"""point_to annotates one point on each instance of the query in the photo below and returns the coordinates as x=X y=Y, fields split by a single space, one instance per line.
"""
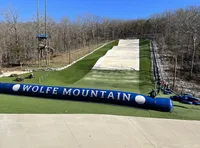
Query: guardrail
x=154 y=64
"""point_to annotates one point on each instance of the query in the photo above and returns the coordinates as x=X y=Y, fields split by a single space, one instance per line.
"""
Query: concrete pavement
x=95 y=131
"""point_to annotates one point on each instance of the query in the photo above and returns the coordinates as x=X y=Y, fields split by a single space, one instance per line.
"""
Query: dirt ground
x=57 y=60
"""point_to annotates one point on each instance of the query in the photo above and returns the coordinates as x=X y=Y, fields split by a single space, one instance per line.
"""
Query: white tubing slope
x=125 y=56
x=129 y=43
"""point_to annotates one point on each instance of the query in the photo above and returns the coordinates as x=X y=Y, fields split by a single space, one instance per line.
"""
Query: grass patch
x=79 y=69
x=75 y=76
x=114 y=80
x=133 y=81
x=69 y=75
x=145 y=73
x=12 y=104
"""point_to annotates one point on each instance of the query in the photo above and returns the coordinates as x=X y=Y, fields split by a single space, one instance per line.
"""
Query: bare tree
x=11 y=19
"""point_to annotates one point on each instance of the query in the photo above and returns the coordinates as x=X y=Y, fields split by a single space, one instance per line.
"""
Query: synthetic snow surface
x=125 y=56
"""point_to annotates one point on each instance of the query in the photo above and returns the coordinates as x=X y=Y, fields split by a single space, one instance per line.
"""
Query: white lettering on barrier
x=55 y=90
x=41 y=90
x=48 y=90
x=111 y=96
x=85 y=95
x=35 y=89
x=94 y=93
x=67 y=92
x=102 y=93
x=26 y=87
x=78 y=92
x=118 y=96
x=125 y=97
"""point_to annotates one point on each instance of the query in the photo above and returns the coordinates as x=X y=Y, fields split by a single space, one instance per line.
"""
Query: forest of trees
x=176 y=32
x=18 y=42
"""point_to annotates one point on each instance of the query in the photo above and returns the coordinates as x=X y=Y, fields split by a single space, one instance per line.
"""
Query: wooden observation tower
x=44 y=50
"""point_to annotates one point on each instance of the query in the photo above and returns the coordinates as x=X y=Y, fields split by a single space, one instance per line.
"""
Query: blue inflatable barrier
x=86 y=94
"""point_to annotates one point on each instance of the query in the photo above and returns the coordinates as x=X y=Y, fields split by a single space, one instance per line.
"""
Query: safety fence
x=155 y=68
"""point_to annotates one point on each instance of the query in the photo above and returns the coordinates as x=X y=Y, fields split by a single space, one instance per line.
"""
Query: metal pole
x=38 y=19
x=193 y=55
x=38 y=31
x=175 y=67
x=45 y=17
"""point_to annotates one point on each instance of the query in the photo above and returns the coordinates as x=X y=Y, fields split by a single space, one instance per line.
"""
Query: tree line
x=178 y=35
x=18 y=42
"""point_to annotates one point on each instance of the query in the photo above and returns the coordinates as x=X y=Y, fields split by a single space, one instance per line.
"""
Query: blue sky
x=116 y=9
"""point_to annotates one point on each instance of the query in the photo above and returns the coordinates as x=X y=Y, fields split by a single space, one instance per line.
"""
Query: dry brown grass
x=57 y=60
x=62 y=59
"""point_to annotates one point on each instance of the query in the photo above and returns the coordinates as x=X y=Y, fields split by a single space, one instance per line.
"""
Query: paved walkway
x=96 y=131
